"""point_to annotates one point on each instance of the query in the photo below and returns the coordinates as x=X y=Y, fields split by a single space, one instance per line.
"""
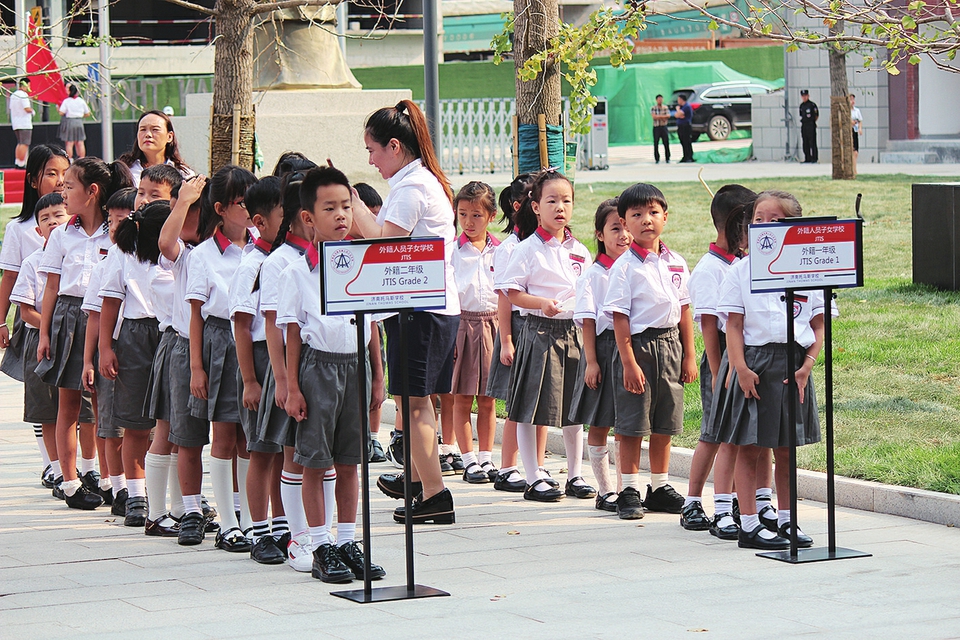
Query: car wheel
x=718 y=128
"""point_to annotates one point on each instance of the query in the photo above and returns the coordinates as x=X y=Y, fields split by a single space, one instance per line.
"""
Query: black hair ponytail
x=139 y=234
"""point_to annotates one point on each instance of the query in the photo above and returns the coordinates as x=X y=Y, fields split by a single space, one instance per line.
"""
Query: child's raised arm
x=190 y=192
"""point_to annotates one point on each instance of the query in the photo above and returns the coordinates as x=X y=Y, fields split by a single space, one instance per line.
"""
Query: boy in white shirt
x=21 y=119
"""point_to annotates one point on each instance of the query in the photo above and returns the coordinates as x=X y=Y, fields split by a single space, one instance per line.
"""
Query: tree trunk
x=232 y=83
x=536 y=22
x=841 y=127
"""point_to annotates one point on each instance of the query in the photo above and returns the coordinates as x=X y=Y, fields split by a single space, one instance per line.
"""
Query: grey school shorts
x=185 y=430
x=248 y=419
x=659 y=409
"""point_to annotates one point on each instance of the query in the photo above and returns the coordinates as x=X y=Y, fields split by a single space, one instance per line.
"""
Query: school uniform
x=71 y=254
x=40 y=400
x=498 y=382
x=213 y=264
x=331 y=433
x=163 y=288
x=705 y=282
x=763 y=422
x=273 y=424
x=21 y=239
x=473 y=269
x=245 y=296
x=92 y=302
x=651 y=289
x=595 y=407
x=128 y=279
x=544 y=370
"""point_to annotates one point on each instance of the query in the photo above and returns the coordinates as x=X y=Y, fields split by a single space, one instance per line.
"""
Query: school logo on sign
x=342 y=261
x=766 y=243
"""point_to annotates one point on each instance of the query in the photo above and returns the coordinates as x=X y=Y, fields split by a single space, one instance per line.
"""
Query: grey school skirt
x=498 y=382
x=763 y=422
x=106 y=424
x=248 y=419
x=274 y=426
x=136 y=348
x=220 y=363
x=596 y=407
x=157 y=403
x=13 y=355
x=544 y=372
x=706 y=388
x=473 y=352
x=185 y=429
x=64 y=369
x=71 y=130
x=41 y=400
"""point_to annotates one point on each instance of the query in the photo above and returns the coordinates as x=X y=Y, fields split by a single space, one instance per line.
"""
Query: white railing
x=476 y=135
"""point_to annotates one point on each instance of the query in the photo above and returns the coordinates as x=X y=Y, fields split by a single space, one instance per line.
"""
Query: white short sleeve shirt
x=20 y=239
x=705 y=283
x=650 y=288
x=212 y=266
x=292 y=249
x=19 y=103
x=125 y=278
x=72 y=254
x=591 y=292
x=181 y=306
x=473 y=269
x=246 y=291
x=30 y=283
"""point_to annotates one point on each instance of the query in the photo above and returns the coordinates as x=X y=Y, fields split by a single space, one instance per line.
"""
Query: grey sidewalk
x=515 y=570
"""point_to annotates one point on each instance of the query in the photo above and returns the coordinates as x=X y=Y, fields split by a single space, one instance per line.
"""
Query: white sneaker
x=300 y=552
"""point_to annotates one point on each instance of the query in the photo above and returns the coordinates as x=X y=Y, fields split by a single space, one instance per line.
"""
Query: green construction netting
x=723 y=156
x=631 y=91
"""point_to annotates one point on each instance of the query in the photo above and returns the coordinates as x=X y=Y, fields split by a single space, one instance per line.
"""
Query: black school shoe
x=91 y=480
x=107 y=495
x=210 y=516
x=803 y=540
x=46 y=477
x=694 y=518
x=266 y=551
x=394 y=451
x=665 y=499
x=328 y=566
x=282 y=543
x=191 y=529
x=582 y=491
x=232 y=540
x=604 y=503
x=375 y=451
x=446 y=469
x=629 y=506
x=550 y=494
x=57 y=490
x=437 y=509
x=474 y=474
x=157 y=527
x=83 y=499
x=768 y=518
x=503 y=482
x=119 y=507
x=391 y=484
x=136 y=513
x=352 y=556
x=729 y=532
x=491 y=471
x=753 y=540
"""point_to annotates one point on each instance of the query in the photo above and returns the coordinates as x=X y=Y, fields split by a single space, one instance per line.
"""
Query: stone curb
x=907 y=502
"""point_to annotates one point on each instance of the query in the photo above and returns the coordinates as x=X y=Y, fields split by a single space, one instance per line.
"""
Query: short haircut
x=50 y=200
x=730 y=199
x=163 y=174
x=659 y=95
x=263 y=196
x=853 y=95
x=640 y=195
x=368 y=195
x=122 y=199
x=316 y=178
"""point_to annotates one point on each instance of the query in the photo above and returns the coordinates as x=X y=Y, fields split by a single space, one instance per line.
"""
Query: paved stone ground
x=513 y=568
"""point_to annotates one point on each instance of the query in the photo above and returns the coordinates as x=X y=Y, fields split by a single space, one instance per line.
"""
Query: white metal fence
x=476 y=135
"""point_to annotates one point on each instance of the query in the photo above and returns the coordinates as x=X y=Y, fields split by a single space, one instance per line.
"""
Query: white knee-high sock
x=291 y=486
x=44 y=457
x=573 y=445
x=527 y=444
x=329 y=496
x=600 y=463
x=243 y=466
x=221 y=477
x=173 y=488
x=156 y=470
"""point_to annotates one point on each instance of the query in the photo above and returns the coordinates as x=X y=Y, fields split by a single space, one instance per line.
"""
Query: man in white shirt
x=21 y=118
x=857 y=120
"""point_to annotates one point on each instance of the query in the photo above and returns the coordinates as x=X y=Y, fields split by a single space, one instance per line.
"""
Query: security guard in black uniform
x=808 y=126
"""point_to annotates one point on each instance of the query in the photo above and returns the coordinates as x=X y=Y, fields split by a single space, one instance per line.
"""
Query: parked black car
x=718 y=108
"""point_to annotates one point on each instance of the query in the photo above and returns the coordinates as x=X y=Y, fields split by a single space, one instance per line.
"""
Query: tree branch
x=267 y=7
x=195 y=7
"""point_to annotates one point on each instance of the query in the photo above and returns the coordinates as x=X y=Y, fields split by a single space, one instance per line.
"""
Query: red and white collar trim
x=546 y=237
x=296 y=242
x=262 y=245
x=312 y=257
x=605 y=261
x=720 y=253
x=491 y=240
x=642 y=253
x=222 y=241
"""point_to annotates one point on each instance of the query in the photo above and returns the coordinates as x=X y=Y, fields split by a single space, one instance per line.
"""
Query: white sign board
x=389 y=274
x=806 y=254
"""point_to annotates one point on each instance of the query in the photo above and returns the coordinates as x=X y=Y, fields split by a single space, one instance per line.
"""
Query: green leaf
x=908 y=22
x=914 y=59
x=713 y=26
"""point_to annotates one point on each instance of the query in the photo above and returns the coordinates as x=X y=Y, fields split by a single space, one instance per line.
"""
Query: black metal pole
x=828 y=390
x=431 y=72
x=364 y=458
x=792 y=419
x=405 y=317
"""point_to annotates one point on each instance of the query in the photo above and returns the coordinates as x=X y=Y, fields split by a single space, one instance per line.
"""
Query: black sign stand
x=832 y=552
x=411 y=590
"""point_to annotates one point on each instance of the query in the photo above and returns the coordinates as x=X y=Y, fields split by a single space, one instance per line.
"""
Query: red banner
x=46 y=84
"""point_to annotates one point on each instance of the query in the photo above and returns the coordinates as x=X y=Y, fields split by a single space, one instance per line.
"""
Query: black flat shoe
x=376 y=452
x=550 y=494
x=629 y=506
x=352 y=556
x=753 y=540
x=136 y=513
x=549 y=479
x=119 y=507
x=57 y=490
x=46 y=477
x=729 y=532
x=437 y=509
x=694 y=518
x=282 y=542
x=490 y=470
x=164 y=527
x=83 y=499
x=665 y=499
x=91 y=480
x=107 y=495
x=232 y=540
x=474 y=475
x=264 y=551
x=803 y=540
x=503 y=483
x=582 y=491
x=768 y=518
x=605 y=504
x=191 y=529
x=391 y=484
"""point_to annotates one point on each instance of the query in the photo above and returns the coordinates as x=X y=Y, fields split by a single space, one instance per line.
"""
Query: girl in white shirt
x=73 y=110
x=541 y=279
x=71 y=253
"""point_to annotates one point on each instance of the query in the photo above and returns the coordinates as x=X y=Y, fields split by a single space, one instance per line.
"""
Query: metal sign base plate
x=818 y=554
x=387 y=594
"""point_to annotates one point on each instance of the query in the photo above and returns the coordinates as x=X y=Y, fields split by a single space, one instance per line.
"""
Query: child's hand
x=43 y=349
x=378 y=394
x=633 y=378
x=4 y=336
x=198 y=384
x=296 y=406
x=592 y=376
x=748 y=382
x=803 y=374
x=506 y=353
x=251 y=395
x=191 y=189
x=108 y=364
x=89 y=377
x=550 y=308
x=280 y=392
x=688 y=369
